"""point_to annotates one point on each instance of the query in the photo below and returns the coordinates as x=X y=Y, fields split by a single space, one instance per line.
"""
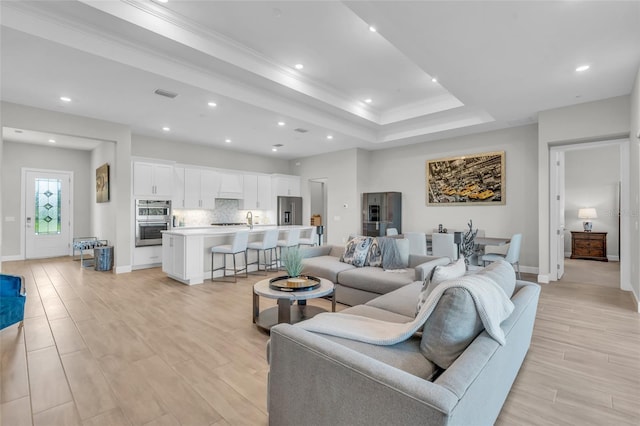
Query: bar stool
x=239 y=245
x=309 y=240
x=292 y=240
x=269 y=243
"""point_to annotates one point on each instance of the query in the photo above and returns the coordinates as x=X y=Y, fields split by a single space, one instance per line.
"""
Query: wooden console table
x=589 y=245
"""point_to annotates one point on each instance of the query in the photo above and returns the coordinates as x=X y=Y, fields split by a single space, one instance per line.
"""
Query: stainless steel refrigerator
x=289 y=211
x=380 y=211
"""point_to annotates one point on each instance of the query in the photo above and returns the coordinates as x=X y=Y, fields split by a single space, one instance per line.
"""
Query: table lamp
x=587 y=213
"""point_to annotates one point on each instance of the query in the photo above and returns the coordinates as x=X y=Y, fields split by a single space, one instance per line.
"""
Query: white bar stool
x=239 y=245
x=292 y=240
x=269 y=243
x=310 y=239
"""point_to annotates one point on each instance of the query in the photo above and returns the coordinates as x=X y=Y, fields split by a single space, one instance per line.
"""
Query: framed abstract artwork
x=102 y=184
x=467 y=179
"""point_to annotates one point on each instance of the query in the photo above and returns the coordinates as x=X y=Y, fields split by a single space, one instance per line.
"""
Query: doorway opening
x=318 y=195
x=591 y=175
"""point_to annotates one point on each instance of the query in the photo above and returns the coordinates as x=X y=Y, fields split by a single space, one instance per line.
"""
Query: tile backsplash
x=226 y=211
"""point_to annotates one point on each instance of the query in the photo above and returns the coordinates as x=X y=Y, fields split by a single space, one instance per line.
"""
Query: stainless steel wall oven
x=152 y=217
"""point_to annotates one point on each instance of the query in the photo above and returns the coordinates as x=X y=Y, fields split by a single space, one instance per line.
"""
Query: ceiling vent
x=300 y=130
x=165 y=93
x=278 y=145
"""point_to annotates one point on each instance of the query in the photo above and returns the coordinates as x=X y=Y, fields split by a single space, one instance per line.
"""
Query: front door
x=47 y=218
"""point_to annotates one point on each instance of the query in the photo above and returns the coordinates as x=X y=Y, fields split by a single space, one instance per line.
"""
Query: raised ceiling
x=497 y=64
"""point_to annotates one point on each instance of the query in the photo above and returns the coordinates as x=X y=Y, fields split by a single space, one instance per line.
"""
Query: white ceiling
x=497 y=65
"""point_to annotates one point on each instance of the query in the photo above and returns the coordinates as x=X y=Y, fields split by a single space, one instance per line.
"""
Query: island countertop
x=186 y=251
x=207 y=231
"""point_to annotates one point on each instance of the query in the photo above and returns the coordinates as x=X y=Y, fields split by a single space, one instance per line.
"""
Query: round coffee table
x=287 y=311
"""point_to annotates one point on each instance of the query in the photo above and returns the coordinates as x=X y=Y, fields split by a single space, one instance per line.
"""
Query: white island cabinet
x=186 y=253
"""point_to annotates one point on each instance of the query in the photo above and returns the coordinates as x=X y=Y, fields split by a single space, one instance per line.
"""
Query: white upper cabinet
x=152 y=180
x=177 y=201
x=286 y=185
x=200 y=188
x=257 y=192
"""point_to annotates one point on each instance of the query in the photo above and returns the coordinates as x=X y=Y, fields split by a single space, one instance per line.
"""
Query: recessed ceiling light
x=52 y=141
x=299 y=66
x=274 y=149
x=368 y=100
x=434 y=80
x=212 y=104
x=329 y=137
x=65 y=99
x=227 y=140
x=166 y=129
x=582 y=68
x=281 y=123
x=372 y=29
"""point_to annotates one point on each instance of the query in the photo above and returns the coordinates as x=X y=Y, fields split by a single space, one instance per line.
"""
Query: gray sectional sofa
x=358 y=285
x=317 y=379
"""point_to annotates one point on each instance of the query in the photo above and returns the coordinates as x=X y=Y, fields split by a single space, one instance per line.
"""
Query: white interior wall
x=607 y=119
x=19 y=155
x=634 y=190
x=208 y=156
x=403 y=169
x=25 y=117
x=101 y=212
x=340 y=171
x=591 y=180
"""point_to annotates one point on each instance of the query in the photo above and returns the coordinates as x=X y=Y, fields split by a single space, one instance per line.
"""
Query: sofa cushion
x=400 y=301
x=376 y=280
x=404 y=356
x=377 y=313
x=440 y=274
x=452 y=326
x=403 y=248
x=327 y=267
x=502 y=273
x=356 y=251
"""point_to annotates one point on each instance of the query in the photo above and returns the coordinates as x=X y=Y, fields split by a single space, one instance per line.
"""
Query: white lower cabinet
x=147 y=256
x=182 y=258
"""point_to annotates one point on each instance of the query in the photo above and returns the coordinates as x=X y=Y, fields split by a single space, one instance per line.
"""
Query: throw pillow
x=403 y=248
x=374 y=257
x=439 y=274
x=452 y=326
x=356 y=250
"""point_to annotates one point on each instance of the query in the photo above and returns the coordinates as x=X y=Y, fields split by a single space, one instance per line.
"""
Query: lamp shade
x=588 y=213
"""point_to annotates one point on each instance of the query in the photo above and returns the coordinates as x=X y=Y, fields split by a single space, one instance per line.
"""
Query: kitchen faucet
x=250 y=219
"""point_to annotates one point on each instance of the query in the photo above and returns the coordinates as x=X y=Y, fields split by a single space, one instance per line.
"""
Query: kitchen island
x=186 y=252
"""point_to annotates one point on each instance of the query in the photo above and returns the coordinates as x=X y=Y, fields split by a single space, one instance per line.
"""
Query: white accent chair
x=237 y=246
x=268 y=244
x=512 y=256
x=417 y=242
x=392 y=231
x=443 y=245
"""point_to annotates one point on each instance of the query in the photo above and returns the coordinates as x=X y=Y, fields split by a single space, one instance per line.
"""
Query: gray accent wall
x=591 y=180
x=19 y=155
x=403 y=169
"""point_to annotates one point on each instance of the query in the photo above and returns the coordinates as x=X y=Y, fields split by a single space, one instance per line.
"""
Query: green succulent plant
x=292 y=260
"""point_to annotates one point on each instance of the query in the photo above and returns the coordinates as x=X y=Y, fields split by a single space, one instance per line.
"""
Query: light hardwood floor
x=134 y=349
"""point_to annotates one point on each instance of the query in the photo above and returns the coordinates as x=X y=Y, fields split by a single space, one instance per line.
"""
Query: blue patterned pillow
x=374 y=258
x=356 y=251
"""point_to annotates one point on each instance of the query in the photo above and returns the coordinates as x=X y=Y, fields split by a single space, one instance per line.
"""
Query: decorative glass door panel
x=47 y=208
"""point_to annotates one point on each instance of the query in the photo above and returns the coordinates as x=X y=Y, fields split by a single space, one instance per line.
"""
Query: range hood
x=231 y=186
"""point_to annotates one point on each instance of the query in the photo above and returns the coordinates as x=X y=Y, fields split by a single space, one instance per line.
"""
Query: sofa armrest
x=423 y=269
x=315 y=381
x=315 y=251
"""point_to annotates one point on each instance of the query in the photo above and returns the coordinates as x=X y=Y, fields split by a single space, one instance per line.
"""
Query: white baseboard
x=12 y=258
x=613 y=258
x=543 y=278
x=122 y=269
x=636 y=299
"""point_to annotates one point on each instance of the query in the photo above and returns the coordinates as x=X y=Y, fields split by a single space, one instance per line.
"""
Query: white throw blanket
x=491 y=302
